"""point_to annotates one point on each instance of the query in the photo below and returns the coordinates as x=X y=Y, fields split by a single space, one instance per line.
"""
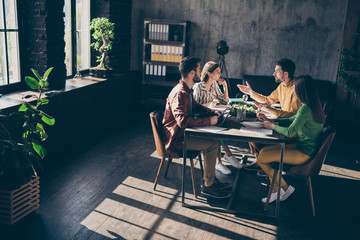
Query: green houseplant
x=103 y=34
x=22 y=134
x=349 y=71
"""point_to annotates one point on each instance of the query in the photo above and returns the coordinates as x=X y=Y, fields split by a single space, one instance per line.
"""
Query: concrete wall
x=310 y=32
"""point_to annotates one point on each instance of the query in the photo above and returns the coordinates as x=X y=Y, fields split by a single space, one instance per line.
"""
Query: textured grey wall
x=258 y=32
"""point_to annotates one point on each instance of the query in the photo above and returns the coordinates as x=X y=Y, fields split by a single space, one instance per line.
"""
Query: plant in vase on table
x=103 y=35
x=21 y=150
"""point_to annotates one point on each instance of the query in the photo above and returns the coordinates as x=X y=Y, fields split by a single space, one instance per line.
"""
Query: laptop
x=223 y=116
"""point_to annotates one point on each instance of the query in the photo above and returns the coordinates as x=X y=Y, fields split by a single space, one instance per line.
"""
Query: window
x=9 y=43
x=77 y=35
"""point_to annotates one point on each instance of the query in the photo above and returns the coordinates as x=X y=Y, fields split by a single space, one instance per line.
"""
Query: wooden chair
x=156 y=124
x=308 y=169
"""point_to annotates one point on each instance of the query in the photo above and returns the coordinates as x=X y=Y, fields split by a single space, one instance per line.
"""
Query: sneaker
x=252 y=166
x=273 y=196
x=233 y=161
x=287 y=193
x=221 y=185
x=214 y=192
x=261 y=173
x=222 y=168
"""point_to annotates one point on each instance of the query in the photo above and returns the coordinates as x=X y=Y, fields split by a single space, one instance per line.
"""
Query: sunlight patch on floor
x=332 y=171
x=134 y=211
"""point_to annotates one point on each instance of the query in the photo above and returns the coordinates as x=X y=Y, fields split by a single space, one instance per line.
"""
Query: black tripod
x=222 y=65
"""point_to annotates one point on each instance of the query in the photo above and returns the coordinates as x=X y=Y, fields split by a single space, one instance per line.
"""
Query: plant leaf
x=43 y=101
x=32 y=83
x=46 y=74
x=39 y=149
x=23 y=108
x=36 y=74
x=47 y=119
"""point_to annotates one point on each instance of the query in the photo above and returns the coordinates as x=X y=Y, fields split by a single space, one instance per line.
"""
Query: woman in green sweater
x=308 y=124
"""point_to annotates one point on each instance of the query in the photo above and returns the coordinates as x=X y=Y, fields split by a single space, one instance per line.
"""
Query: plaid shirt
x=179 y=111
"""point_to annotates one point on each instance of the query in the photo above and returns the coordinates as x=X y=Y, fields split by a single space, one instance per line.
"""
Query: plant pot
x=100 y=72
x=18 y=203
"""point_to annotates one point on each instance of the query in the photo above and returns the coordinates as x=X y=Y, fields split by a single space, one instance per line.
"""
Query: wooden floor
x=104 y=191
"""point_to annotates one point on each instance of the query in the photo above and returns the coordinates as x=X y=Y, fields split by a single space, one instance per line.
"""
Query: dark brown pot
x=100 y=73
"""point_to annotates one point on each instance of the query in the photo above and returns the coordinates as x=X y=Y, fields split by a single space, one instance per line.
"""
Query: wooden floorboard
x=104 y=190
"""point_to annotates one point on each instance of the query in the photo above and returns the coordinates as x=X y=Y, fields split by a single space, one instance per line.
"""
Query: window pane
x=67 y=38
x=10 y=13
x=83 y=33
x=3 y=72
x=13 y=54
x=1 y=16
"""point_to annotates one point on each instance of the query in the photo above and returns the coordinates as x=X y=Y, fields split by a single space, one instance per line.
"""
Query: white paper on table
x=219 y=108
x=252 y=124
x=213 y=129
x=257 y=130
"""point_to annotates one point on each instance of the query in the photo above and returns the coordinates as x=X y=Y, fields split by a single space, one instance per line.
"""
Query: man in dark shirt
x=180 y=111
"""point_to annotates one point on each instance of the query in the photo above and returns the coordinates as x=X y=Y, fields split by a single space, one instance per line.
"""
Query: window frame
x=74 y=32
x=13 y=87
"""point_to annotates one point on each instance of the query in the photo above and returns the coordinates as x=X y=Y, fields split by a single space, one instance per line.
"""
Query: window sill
x=17 y=98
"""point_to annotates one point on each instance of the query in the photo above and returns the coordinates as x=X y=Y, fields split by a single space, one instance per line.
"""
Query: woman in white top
x=208 y=93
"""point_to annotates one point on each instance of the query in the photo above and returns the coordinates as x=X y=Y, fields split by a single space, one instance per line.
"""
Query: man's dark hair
x=188 y=64
x=287 y=66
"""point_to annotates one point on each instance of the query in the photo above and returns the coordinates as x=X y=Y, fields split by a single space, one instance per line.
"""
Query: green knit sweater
x=309 y=132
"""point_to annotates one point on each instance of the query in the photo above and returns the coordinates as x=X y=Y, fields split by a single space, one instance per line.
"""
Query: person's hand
x=261 y=116
x=214 y=120
x=245 y=89
x=269 y=125
x=222 y=81
x=214 y=103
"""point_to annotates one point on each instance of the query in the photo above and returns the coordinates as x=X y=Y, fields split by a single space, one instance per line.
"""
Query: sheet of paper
x=252 y=124
x=210 y=128
x=257 y=130
x=219 y=107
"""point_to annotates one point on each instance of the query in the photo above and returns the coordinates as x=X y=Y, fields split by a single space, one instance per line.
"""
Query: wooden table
x=234 y=134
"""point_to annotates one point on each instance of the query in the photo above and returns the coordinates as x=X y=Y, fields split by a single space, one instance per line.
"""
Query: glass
x=240 y=114
x=245 y=97
x=13 y=55
x=11 y=14
x=3 y=68
x=83 y=34
x=1 y=15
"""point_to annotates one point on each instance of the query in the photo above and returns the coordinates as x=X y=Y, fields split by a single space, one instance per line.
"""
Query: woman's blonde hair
x=209 y=67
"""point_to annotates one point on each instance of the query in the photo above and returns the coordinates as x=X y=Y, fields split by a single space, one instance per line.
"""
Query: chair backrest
x=156 y=118
x=313 y=166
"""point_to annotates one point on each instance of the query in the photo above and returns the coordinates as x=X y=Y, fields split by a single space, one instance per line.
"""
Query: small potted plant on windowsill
x=103 y=35
x=21 y=150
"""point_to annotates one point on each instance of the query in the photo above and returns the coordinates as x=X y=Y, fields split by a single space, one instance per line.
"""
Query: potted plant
x=103 y=35
x=21 y=137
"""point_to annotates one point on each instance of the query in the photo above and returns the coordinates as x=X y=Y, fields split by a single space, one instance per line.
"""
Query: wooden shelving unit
x=165 y=43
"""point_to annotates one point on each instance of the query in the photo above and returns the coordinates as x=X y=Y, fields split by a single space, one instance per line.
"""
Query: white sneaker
x=273 y=196
x=222 y=168
x=287 y=193
x=233 y=161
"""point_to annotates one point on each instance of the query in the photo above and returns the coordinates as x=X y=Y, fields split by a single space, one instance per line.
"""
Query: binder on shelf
x=161 y=53
x=157 y=31
x=152 y=31
x=151 y=72
x=155 y=72
x=147 y=72
x=181 y=54
x=176 y=54
x=164 y=53
x=172 y=59
x=159 y=72
x=168 y=56
x=160 y=31
x=164 y=72
x=167 y=32
x=152 y=52
x=156 y=53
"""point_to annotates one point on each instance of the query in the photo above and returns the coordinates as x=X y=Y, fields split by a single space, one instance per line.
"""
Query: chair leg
x=201 y=165
x=167 y=167
x=193 y=176
x=158 y=173
x=308 y=181
x=270 y=190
